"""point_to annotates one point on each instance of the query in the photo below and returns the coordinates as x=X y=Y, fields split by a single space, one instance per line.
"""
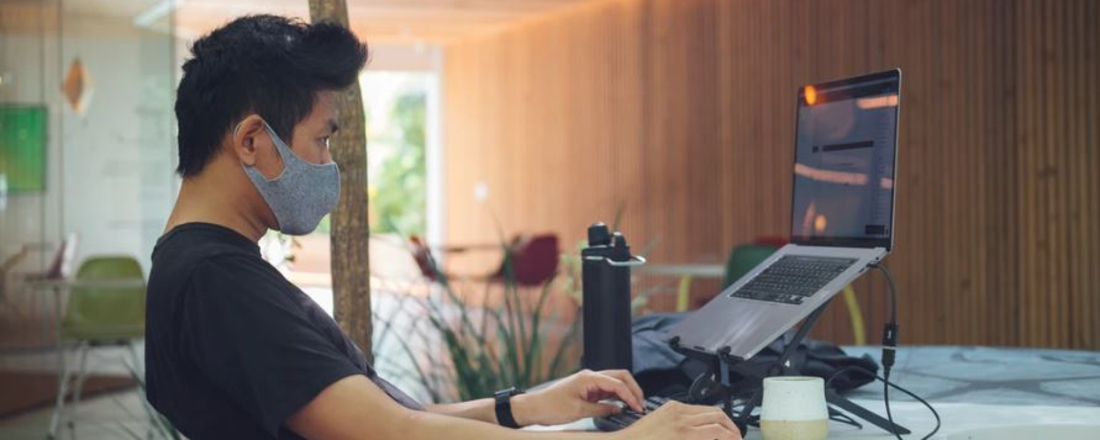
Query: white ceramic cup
x=794 y=409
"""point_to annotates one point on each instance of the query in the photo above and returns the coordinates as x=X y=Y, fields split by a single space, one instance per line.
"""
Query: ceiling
x=382 y=21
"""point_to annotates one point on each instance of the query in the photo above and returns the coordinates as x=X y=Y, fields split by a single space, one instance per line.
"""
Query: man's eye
x=325 y=140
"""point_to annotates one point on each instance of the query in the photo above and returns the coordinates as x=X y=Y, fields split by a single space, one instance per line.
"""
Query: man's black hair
x=264 y=64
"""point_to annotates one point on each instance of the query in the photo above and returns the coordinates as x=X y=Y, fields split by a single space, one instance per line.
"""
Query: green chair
x=106 y=307
x=743 y=259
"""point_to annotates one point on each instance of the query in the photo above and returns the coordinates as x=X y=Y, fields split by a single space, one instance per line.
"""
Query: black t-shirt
x=232 y=348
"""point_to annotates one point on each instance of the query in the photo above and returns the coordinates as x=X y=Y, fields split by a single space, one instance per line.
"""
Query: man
x=234 y=350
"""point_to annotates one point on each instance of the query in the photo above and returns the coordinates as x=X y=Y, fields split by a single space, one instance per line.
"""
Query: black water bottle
x=606 y=282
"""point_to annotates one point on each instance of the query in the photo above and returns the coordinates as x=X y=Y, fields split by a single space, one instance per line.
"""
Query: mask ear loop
x=237 y=129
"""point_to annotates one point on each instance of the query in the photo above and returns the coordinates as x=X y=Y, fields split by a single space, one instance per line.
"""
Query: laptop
x=842 y=217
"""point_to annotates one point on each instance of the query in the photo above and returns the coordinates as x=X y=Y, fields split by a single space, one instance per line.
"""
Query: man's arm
x=524 y=410
x=355 y=408
x=572 y=398
x=481 y=409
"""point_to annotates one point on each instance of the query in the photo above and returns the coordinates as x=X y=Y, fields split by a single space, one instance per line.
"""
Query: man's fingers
x=628 y=379
x=600 y=409
x=613 y=385
x=698 y=409
x=716 y=417
x=714 y=432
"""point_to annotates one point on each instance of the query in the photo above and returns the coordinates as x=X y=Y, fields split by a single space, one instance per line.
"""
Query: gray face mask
x=302 y=194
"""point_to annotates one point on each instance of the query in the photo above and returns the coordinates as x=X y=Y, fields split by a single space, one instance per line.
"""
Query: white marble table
x=1017 y=393
x=959 y=420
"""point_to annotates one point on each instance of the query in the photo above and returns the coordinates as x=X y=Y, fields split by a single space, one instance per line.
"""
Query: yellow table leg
x=683 y=294
x=856 y=315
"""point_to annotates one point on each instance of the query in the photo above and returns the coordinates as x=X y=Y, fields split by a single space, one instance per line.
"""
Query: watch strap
x=503 y=405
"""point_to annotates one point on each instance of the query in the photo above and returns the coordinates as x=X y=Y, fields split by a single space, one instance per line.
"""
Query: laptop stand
x=717 y=381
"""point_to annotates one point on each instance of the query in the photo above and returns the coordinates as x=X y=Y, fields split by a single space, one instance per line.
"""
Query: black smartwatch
x=504 y=407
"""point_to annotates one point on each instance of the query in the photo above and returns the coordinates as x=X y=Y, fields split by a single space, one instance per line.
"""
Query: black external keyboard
x=793 y=278
x=628 y=416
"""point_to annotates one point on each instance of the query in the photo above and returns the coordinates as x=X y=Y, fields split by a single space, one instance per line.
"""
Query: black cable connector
x=889 y=346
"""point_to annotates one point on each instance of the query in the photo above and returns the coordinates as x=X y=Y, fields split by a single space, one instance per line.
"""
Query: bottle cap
x=599 y=235
x=620 y=240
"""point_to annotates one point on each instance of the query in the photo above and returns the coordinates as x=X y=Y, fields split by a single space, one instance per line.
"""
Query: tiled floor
x=114 y=417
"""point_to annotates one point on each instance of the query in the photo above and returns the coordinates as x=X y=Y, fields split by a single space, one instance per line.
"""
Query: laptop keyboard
x=793 y=278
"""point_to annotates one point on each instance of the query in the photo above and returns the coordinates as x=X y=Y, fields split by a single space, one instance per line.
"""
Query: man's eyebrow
x=333 y=126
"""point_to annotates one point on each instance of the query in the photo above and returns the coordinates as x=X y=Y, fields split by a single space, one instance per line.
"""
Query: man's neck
x=203 y=200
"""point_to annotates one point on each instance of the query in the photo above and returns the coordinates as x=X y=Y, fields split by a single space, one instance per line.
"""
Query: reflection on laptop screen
x=844 y=162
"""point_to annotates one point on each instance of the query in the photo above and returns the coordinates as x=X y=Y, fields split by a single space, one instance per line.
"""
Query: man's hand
x=576 y=397
x=675 y=420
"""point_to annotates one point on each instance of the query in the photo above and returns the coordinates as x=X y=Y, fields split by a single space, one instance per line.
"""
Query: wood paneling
x=681 y=112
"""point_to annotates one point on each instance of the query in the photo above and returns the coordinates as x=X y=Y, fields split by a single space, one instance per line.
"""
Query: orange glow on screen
x=877 y=102
x=820 y=223
x=811 y=95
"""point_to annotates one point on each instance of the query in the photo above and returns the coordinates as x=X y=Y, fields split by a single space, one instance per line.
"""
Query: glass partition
x=87 y=145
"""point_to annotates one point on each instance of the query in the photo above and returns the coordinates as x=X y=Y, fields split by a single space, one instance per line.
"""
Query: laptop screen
x=845 y=155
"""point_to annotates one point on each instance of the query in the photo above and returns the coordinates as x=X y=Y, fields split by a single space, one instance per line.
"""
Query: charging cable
x=889 y=355
x=890 y=330
x=889 y=344
x=889 y=384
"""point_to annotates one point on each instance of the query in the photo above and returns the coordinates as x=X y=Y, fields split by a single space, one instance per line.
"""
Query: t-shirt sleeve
x=243 y=328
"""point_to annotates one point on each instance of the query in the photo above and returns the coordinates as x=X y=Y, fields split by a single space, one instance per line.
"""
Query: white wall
x=110 y=170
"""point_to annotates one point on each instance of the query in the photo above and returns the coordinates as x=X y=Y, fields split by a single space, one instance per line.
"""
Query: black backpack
x=662 y=371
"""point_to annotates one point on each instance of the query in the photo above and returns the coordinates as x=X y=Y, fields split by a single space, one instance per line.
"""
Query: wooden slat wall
x=681 y=112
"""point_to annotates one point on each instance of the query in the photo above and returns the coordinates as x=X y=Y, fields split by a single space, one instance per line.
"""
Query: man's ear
x=246 y=137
